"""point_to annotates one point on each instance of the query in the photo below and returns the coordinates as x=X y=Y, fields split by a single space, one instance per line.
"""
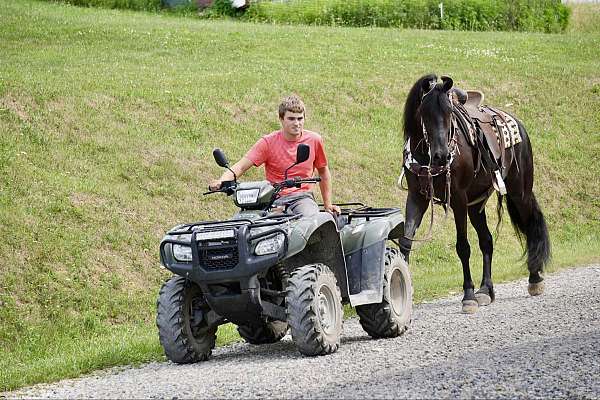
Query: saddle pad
x=509 y=129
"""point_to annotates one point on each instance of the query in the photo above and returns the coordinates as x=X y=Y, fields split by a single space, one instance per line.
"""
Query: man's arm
x=239 y=168
x=326 y=192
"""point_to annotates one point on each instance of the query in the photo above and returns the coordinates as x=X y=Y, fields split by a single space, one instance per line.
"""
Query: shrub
x=138 y=5
x=474 y=15
x=220 y=8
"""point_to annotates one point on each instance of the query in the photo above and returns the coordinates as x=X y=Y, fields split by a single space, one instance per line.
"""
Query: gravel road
x=519 y=347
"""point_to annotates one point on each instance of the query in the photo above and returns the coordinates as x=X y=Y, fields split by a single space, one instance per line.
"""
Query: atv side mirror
x=220 y=158
x=302 y=153
x=222 y=161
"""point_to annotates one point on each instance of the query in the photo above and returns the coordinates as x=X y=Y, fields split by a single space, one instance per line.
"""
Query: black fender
x=317 y=240
x=364 y=243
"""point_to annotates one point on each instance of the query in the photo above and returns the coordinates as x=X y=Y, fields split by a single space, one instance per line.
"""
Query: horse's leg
x=485 y=295
x=416 y=205
x=526 y=215
x=463 y=249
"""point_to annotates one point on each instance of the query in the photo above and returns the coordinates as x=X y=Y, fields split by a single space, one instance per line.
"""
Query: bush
x=138 y=5
x=221 y=8
x=473 y=15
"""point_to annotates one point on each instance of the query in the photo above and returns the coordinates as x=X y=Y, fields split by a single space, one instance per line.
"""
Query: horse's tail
x=499 y=212
x=535 y=231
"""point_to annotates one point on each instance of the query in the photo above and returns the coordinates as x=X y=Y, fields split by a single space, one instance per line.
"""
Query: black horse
x=447 y=160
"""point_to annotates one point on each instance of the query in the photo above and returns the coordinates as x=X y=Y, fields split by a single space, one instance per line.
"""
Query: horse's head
x=429 y=112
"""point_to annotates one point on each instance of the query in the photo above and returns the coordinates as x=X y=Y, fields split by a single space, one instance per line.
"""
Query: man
x=277 y=151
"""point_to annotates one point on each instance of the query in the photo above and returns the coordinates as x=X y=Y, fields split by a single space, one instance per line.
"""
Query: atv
x=268 y=271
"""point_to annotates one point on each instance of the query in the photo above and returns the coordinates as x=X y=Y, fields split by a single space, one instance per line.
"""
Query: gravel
x=518 y=347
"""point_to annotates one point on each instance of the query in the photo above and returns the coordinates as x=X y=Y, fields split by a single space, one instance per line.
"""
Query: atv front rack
x=217 y=246
x=267 y=220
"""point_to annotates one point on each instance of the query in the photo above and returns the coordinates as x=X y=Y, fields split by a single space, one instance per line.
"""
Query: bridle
x=426 y=173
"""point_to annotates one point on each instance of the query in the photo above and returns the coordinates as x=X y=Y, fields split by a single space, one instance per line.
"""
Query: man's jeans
x=303 y=203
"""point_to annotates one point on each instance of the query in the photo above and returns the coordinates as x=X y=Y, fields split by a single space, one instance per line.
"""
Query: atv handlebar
x=228 y=187
x=296 y=182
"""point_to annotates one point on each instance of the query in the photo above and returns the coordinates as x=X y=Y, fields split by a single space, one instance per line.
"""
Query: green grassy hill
x=108 y=120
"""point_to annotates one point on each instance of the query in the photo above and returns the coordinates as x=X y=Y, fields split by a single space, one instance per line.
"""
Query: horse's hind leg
x=485 y=295
x=525 y=213
x=527 y=217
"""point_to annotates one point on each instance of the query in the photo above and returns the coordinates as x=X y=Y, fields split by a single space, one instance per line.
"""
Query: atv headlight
x=249 y=196
x=182 y=252
x=270 y=245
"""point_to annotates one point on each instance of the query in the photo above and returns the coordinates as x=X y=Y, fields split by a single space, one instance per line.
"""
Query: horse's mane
x=412 y=104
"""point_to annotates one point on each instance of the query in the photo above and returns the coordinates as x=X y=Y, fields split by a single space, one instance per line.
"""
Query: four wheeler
x=268 y=272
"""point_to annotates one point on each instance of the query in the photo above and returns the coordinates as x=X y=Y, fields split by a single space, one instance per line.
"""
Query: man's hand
x=332 y=208
x=215 y=185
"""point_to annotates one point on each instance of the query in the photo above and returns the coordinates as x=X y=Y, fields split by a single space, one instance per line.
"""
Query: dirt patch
x=17 y=106
x=99 y=101
x=86 y=199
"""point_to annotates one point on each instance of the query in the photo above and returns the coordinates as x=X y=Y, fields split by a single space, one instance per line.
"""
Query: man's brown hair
x=292 y=103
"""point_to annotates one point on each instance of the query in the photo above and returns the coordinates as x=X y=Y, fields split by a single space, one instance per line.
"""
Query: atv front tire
x=181 y=321
x=393 y=315
x=268 y=332
x=314 y=310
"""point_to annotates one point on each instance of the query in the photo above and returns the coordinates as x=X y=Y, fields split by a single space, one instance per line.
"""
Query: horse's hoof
x=535 y=289
x=469 y=306
x=483 y=299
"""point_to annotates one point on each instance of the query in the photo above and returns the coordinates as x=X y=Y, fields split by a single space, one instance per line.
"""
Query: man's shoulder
x=312 y=135
x=271 y=136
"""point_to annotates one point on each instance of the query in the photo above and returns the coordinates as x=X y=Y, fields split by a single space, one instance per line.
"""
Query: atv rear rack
x=364 y=211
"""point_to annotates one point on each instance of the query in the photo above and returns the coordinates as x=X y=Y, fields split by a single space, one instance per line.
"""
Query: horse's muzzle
x=440 y=159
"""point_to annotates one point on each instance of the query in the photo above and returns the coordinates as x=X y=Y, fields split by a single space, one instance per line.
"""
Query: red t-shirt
x=277 y=154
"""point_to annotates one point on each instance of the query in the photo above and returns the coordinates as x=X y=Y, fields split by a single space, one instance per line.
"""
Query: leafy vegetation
x=108 y=120
x=472 y=15
x=137 y=5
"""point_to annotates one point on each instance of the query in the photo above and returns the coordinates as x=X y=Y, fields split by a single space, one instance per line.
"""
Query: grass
x=108 y=119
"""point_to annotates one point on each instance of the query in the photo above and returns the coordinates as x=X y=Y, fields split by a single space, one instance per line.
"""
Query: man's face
x=292 y=124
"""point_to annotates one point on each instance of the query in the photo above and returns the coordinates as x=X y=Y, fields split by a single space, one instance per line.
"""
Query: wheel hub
x=327 y=312
x=397 y=291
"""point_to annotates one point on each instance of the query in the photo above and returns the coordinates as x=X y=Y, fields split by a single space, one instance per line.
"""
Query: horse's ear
x=428 y=83
x=448 y=82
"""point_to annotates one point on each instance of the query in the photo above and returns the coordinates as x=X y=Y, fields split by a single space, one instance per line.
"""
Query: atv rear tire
x=393 y=315
x=314 y=310
x=181 y=321
x=269 y=332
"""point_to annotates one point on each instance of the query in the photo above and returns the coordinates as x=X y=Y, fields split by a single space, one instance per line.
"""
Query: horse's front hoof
x=469 y=306
x=483 y=299
x=535 y=289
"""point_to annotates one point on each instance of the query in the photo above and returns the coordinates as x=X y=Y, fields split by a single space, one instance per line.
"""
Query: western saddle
x=491 y=129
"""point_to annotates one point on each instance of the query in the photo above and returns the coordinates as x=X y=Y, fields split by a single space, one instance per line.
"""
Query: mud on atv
x=268 y=272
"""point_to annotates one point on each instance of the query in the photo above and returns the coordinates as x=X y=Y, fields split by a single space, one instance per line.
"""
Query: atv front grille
x=218 y=255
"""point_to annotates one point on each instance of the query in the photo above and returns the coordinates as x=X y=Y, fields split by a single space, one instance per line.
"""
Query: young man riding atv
x=277 y=151
x=279 y=263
